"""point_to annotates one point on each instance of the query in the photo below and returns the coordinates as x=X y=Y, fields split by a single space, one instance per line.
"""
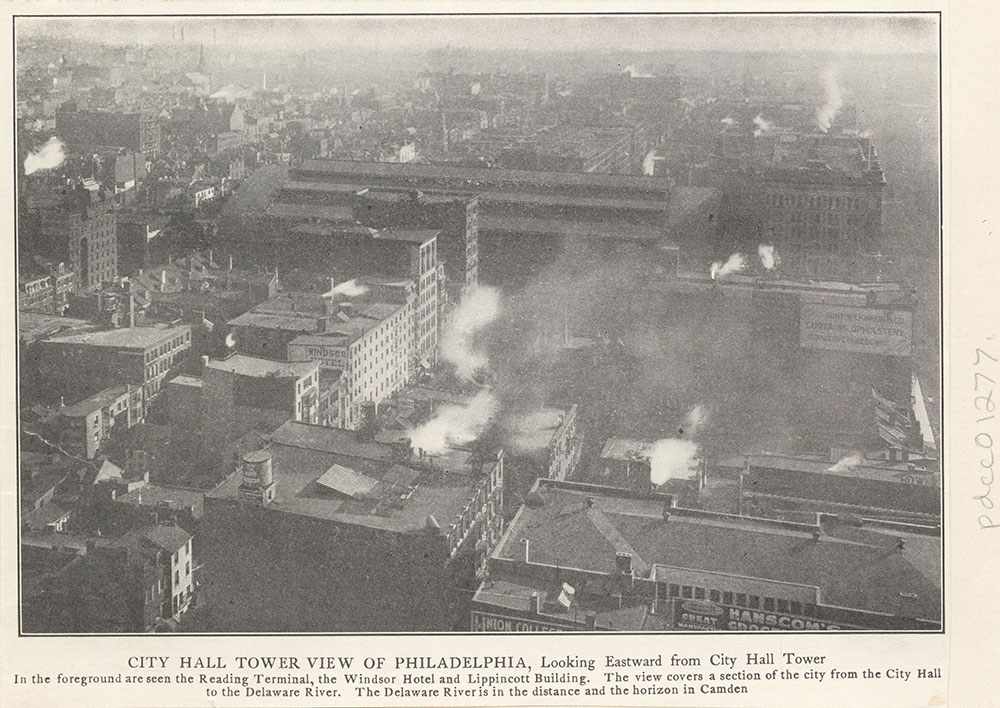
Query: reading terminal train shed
x=580 y=557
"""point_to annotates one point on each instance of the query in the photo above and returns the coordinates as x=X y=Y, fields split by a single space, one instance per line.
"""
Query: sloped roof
x=348 y=482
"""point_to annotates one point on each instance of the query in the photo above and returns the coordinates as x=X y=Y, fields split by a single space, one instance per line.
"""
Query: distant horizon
x=813 y=33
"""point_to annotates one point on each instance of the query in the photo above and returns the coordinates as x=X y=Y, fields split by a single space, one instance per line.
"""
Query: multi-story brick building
x=325 y=532
x=44 y=287
x=87 y=425
x=90 y=361
x=353 y=250
x=87 y=130
x=456 y=217
x=370 y=345
x=81 y=231
x=581 y=557
x=240 y=393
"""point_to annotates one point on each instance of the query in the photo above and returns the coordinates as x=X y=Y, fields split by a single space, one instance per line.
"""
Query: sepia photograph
x=479 y=324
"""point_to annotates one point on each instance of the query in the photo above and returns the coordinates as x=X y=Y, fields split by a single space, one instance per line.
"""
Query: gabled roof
x=348 y=482
x=169 y=538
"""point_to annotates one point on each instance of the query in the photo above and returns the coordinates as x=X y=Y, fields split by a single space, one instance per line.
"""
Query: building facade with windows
x=323 y=531
x=84 y=363
x=579 y=557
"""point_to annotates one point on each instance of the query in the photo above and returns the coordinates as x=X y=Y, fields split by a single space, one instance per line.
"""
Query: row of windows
x=177 y=341
x=308 y=381
x=739 y=599
x=816 y=202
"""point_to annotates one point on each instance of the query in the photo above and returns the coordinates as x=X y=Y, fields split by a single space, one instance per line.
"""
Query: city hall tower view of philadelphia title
x=506 y=324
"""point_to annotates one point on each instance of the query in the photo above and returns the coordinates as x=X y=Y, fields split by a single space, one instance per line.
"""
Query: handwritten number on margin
x=981 y=352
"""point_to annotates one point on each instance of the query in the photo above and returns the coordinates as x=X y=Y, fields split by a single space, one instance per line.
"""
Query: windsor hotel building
x=580 y=557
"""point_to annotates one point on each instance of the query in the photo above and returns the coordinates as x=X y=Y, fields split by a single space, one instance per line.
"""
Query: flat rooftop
x=584 y=528
x=95 y=402
x=569 y=228
x=623 y=449
x=476 y=177
x=418 y=236
x=124 y=338
x=502 y=196
x=329 y=474
x=257 y=366
x=33 y=325
x=168 y=498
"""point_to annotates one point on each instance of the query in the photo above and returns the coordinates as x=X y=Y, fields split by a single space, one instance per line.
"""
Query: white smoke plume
x=672 y=458
x=474 y=313
x=763 y=125
x=47 y=157
x=845 y=463
x=649 y=163
x=695 y=418
x=677 y=458
x=768 y=257
x=636 y=73
x=734 y=264
x=728 y=121
x=531 y=431
x=455 y=425
x=349 y=288
x=833 y=100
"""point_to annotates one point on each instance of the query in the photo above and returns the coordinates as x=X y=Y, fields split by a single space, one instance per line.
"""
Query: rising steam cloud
x=474 y=313
x=833 y=100
x=47 y=157
x=734 y=264
x=349 y=288
x=768 y=258
x=649 y=163
x=845 y=463
x=636 y=73
x=455 y=425
x=763 y=125
x=694 y=420
x=677 y=458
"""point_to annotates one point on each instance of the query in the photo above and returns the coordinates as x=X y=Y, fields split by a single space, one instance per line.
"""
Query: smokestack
x=230 y=261
x=163 y=277
x=526 y=542
x=204 y=362
x=623 y=562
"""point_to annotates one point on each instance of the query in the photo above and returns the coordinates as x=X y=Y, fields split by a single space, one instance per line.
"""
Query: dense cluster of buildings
x=232 y=305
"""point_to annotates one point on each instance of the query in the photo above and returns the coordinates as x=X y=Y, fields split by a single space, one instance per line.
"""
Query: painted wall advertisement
x=706 y=616
x=864 y=330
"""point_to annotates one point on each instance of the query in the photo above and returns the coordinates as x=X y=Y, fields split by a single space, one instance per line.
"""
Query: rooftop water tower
x=257 y=486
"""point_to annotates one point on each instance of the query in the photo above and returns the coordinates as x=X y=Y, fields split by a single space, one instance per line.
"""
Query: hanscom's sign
x=865 y=330
x=705 y=616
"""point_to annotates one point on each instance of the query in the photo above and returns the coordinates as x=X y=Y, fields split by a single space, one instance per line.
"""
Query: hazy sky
x=848 y=33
